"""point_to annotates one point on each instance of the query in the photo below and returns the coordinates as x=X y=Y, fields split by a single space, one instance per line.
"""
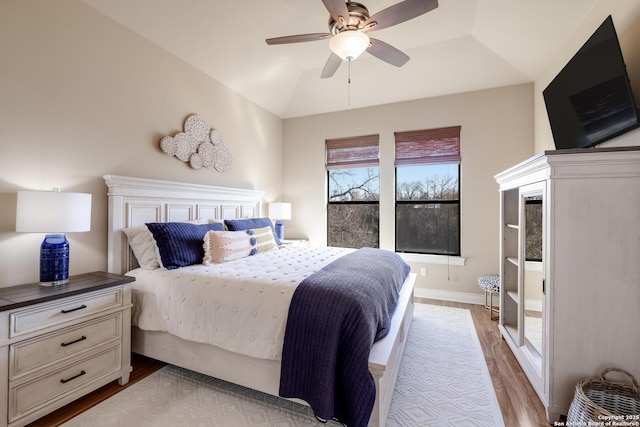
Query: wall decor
x=198 y=145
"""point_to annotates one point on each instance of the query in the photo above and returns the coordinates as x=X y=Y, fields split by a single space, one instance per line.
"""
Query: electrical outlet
x=423 y=271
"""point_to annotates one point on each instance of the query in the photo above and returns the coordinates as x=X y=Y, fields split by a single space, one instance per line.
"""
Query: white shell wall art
x=208 y=152
x=168 y=145
x=197 y=128
x=185 y=146
x=199 y=146
x=222 y=159
x=216 y=137
x=196 y=161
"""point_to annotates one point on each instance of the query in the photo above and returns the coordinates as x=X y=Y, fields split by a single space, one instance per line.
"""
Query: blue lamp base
x=54 y=260
x=279 y=230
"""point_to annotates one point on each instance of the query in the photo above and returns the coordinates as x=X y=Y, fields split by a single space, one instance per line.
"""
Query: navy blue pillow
x=249 y=223
x=180 y=243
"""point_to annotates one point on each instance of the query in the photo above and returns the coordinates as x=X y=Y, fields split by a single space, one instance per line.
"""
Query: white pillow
x=199 y=221
x=144 y=247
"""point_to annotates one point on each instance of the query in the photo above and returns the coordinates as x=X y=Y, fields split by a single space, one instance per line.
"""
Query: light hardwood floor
x=518 y=401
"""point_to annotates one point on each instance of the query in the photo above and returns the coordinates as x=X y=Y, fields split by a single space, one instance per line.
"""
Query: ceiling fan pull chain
x=349 y=85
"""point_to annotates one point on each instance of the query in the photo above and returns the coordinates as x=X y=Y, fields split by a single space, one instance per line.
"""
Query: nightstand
x=294 y=242
x=60 y=343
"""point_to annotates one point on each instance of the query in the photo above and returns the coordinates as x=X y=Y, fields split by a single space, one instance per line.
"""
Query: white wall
x=81 y=97
x=497 y=132
x=626 y=18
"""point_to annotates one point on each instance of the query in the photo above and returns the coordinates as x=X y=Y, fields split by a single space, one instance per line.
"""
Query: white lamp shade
x=349 y=44
x=279 y=210
x=53 y=212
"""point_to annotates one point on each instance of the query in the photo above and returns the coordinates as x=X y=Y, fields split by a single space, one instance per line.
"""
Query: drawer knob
x=64 y=344
x=74 y=309
x=73 y=377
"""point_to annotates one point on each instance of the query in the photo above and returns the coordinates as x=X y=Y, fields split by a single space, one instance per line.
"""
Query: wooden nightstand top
x=24 y=295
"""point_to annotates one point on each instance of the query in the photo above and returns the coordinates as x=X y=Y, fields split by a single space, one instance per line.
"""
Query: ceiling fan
x=349 y=24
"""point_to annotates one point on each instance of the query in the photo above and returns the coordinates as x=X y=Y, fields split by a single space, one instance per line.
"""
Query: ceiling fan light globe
x=349 y=44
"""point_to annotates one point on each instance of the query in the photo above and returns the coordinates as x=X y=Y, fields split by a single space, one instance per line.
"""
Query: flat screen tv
x=590 y=100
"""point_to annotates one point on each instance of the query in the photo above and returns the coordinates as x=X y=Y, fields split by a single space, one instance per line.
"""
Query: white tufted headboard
x=135 y=201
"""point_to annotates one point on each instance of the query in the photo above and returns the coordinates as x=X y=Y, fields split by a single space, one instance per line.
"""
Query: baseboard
x=464 y=297
x=467 y=298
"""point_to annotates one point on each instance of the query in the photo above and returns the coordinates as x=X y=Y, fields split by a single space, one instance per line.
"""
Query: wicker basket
x=598 y=399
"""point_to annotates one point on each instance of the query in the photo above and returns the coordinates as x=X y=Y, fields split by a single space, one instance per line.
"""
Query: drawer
x=32 y=395
x=50 y=314
x=35 y=353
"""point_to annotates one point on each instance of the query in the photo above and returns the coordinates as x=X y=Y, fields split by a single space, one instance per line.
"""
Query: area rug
x=443 y=381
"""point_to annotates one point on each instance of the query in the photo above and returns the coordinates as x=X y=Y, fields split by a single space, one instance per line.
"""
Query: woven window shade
x=430 y=146
x=353 y=152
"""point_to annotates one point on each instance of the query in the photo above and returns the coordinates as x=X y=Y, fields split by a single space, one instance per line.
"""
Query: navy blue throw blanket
x=336 y=315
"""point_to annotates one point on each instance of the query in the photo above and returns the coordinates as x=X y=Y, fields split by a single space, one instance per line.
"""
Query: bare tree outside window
x=353 y=210
x=428 y=209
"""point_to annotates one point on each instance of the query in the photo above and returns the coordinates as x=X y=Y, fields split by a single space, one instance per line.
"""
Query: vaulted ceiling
x=463 y=45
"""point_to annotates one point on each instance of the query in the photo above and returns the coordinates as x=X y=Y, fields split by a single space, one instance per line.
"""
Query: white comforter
x=240 y=306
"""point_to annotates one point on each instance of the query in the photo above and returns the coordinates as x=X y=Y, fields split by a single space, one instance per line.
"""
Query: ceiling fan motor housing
x=358 y=15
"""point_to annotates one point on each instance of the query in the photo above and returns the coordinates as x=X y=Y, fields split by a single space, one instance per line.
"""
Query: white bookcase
x=577 y=311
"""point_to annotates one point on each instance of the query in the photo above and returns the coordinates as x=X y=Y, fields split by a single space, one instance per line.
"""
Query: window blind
x=352 y=152
x=430 y=146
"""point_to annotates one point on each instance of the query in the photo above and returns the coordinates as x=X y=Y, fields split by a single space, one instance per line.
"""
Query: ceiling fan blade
x=387 y=53
x=298 y=38
x=332 y=65
x=400 y=12
x=337 y=8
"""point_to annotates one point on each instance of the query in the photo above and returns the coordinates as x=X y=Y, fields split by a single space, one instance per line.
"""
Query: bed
x=136 y=201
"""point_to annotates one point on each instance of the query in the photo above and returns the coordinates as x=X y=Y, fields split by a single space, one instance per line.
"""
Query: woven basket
x=598 y=399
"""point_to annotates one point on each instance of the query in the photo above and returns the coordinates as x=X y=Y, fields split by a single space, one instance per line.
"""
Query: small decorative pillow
x=265 y=239
x=180 y=243
x=223 y=246
x=250 y=223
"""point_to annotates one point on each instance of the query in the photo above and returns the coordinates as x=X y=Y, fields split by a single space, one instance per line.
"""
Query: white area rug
x=443 y=381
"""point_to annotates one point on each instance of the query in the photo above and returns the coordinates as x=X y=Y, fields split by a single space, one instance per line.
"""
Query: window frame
x=450 y=157
x=364 y=145
x=425 y=202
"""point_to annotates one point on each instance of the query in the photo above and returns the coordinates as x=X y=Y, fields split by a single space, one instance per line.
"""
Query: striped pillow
x=250 y=223
x=223 y=246
x=265 y=240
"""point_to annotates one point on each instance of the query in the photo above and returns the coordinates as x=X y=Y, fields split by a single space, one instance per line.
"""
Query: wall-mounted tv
x=590 y=100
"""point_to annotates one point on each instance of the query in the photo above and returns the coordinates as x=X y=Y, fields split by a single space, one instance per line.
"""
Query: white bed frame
x=134 y=201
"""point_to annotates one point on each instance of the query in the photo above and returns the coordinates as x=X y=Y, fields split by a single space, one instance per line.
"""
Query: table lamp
x=54 y=213
x=279 y=211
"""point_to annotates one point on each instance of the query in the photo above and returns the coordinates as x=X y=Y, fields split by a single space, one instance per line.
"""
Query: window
x=428 y=191
x=354 y=192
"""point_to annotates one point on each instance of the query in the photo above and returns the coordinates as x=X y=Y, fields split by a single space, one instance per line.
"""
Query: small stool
x=491 y=284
